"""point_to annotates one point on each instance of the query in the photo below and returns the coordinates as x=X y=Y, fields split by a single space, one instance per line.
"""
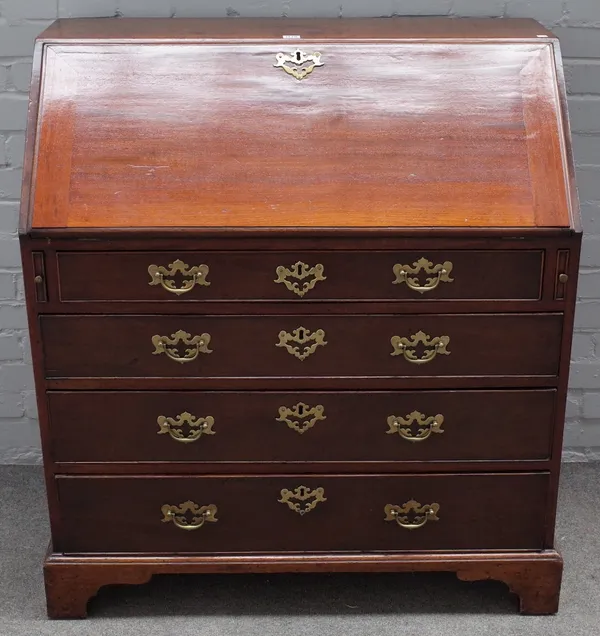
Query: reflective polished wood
x=251 y=517
x=413 y=198
x=351 y=427
x=386 y=133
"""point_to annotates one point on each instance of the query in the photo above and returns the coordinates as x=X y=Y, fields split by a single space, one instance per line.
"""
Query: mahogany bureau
x=301 y=298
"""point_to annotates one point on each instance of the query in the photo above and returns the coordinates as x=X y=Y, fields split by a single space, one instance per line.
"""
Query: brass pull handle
x=299 y=272
x=192 y=276
x=175 y=427
x=296 y=499
x=169 y=346
x=438 y=274
x=412 y=515
x=407 y=347
x=189 y=515
x=426 y=426
x=298 y=64
x=308 y=342
x=301 y=417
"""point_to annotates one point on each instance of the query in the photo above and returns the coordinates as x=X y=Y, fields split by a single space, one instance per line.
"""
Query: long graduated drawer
x=212 y=427
x=302 y=513
x=301 y=346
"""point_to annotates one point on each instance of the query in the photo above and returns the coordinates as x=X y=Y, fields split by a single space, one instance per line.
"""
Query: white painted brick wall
x=576 y=22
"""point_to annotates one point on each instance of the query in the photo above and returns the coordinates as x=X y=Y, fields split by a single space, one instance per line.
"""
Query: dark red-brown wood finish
x=466 y=444
x=346 y=275
x=295 y=153
x=251 y=347
x=249 y=427
x=119 y=514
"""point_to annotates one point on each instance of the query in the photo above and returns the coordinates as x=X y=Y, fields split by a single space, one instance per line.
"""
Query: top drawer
x=300 y=276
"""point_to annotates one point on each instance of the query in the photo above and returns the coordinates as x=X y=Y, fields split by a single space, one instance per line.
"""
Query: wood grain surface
x=249 y=429
x=477 y=512
x=156 y=140
x=534 y=576
x=353 y=346
x=364 y=275
x=134 y=29
x=385 y=134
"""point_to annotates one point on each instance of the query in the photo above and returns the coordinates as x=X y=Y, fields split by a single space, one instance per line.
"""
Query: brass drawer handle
x=406 y=347
x=301 y=417
x=412 y=515
x=309 y=341
x=196 y=427
x=189 y=515
x=193 y=276
x=295 y=499
x=426 y=426
x=299 y=272
x=195 y=346
x=438 y=274
x=298 y=59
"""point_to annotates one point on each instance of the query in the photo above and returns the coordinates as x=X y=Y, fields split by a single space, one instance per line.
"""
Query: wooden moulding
x=72 y=581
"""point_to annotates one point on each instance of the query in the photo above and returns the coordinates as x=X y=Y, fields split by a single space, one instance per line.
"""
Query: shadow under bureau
x=301 y=298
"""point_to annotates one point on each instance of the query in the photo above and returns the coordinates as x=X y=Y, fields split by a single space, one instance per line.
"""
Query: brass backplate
x=403 y=426
x=437 y=274
x=298 y=64
x=292 y=276
x=302 y=499
x=301 y=417
x=412 y=515
x=301 y=343
x=192 y=276
x=176 y=427
x=170 y=345
x=403 y=346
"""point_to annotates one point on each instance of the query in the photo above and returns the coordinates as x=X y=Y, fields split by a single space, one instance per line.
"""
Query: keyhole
x=301 y=334
x=298 y=55
x=301 y=410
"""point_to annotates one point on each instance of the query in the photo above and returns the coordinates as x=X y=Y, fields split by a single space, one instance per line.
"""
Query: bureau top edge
x=473 y=236
x=204 y=29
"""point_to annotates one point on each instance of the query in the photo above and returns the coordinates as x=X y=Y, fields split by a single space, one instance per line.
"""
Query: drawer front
x=301 y=346
x=301 y=427
x=291 y=513
x=300 y=276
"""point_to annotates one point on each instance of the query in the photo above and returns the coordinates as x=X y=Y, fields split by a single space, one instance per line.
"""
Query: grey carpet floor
x=301 y=605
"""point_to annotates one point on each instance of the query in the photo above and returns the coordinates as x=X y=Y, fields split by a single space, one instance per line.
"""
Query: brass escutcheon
x=298 y=64
x=426 y=426
x=168 y=345
x=300 y=271
x=193 y=276
x=412 y=515
x=295 y=498
x=301 y=417
x=302 y=337
x=197 y=426
x=189 y=515
x=438 y=274
x=406 y=347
